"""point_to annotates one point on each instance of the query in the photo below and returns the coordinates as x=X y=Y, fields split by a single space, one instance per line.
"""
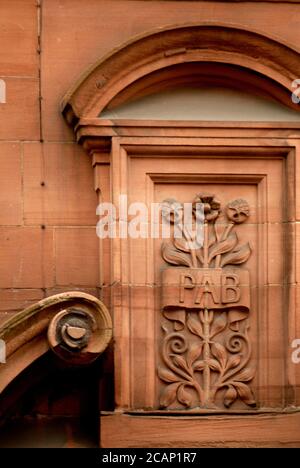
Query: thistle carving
x=206 y=350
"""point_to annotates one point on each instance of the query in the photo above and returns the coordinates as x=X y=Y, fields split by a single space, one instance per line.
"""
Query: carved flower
x=172 y=211
x=212 y=207
x=237 y=211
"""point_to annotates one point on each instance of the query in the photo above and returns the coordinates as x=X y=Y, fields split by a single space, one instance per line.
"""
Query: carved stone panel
x=204 y=329
x=206 y=350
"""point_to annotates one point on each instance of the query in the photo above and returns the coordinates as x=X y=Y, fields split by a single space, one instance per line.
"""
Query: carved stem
x=189 y=240
x=206 y=356
x=223 y=237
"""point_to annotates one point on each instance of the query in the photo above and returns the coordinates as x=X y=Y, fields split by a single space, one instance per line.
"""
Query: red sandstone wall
x=47 y=202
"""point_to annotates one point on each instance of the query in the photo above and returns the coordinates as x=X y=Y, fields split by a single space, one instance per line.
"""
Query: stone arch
x=257 y=60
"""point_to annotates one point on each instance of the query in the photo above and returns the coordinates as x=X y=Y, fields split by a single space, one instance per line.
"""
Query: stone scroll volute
x=206 y=350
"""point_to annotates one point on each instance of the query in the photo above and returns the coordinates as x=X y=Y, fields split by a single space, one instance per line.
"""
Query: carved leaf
x=219 y=352
x=223 y=246
x=211 y=239
x=184 y=397
x=219 y=229
x=230 y=396
x=169 y=395
x=233 y=361
x=181 y=362
x=245 y=393
x=171 y=255
x=214 y=365
x=181 y=244
x=246 y=375
x=166 y=375
x=238 y=255
x=194 y=326
x=194 y=352
x=199 y=366
x=219 y=324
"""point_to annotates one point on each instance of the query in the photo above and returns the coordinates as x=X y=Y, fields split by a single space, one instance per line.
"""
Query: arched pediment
x=171 y=54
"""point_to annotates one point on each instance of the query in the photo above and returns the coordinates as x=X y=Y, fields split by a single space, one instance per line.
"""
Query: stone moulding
x=75 y=325
x=137 y=59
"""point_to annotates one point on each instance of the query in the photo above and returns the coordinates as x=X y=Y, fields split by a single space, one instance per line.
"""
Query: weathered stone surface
x=50 y=187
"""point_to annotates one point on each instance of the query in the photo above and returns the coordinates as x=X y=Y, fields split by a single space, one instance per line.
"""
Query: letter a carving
x=207 y=287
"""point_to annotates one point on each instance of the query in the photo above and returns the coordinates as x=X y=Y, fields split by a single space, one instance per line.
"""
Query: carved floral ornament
x=206 y=350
